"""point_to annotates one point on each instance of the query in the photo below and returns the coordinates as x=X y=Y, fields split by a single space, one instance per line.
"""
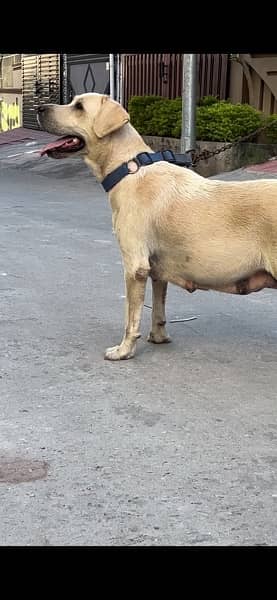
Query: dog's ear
x=110 y=117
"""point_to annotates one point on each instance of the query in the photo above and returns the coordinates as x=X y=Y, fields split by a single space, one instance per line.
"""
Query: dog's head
x=83 y=123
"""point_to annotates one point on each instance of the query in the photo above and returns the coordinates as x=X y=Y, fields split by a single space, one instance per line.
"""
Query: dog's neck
x=115 y=149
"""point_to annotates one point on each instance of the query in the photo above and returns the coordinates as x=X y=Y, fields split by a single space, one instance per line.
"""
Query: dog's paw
x=157 y=338
x=118 y=353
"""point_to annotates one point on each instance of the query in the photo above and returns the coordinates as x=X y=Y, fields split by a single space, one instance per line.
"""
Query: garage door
x=41 y=79
x=87 y=73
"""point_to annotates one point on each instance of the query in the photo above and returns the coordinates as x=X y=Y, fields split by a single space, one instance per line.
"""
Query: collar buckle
x=135 y=162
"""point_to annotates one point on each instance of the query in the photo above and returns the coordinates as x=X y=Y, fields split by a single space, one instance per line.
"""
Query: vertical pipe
x=64 y=79
x=117 y=77
x=112 y=76
x=188 y=103
x=121 y=99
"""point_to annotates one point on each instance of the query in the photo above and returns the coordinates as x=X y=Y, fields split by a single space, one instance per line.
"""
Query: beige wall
x=253 y=79
x=236 y=80
x=17 y=77
x=10 y=111
x=12 y=98
x=10 y=95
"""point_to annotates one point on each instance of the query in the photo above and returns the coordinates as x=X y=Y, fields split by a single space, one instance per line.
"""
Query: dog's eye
x=79 y=106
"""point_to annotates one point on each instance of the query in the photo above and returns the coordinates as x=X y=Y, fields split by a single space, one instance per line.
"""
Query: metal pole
x=64 y=79
x=117 y=77
x=112 y=76
x=188 y=103
x=121 y=78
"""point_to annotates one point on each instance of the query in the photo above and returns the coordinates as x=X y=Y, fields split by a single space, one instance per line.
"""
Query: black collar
x=141 y=160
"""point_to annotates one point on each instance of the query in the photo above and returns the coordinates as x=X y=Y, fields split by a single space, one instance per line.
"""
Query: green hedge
x=216 y=120
x=208 y=101
x=226 y=122
x=271 y=132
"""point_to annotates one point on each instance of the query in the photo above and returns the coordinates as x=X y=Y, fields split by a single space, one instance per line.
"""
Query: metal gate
x=87 y=73
x=161 y=75
x=41 y=79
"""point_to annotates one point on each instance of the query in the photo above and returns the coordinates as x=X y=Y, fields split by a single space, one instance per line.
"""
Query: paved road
x=176 y=447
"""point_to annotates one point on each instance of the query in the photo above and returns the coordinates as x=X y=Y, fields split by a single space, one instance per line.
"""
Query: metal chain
x=205 y=154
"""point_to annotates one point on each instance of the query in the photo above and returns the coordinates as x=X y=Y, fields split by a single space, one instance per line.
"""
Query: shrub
x=226 y=122
x=169 y=114
x=271 y=131
x=142 y=110
x=207 y=101
x=153 y=115
x=216 y=120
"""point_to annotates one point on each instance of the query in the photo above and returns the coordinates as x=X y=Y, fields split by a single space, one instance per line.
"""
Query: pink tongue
x=61 y=143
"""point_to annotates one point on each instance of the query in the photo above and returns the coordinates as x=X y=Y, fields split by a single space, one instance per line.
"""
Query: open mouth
x=62 y=146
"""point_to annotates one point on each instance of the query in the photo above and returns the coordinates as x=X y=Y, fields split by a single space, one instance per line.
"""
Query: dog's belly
x=235 y=282
x=255 y=283
x=212 y=261
x=207 y=272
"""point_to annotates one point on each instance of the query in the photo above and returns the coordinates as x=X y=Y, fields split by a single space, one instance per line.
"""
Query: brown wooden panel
x=267 y=100
x=144 y=74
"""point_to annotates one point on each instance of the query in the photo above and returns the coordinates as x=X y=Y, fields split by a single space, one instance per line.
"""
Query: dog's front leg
x=158 y=333
x=135 y=291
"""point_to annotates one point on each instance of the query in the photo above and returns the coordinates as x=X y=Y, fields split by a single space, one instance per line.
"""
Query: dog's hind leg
x=158 y=333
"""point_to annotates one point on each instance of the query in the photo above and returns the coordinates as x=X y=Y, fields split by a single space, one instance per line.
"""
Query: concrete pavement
x=175 y=447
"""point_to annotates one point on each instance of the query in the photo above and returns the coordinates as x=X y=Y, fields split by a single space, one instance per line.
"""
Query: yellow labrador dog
x=171 y=224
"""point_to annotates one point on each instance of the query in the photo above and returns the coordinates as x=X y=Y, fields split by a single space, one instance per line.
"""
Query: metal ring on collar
x=133 y=160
